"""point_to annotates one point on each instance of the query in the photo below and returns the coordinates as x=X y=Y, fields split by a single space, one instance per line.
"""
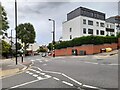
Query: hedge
x=96 y=40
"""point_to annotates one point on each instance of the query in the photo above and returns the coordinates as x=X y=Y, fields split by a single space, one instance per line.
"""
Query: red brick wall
x=90 y=49
x=119 y=42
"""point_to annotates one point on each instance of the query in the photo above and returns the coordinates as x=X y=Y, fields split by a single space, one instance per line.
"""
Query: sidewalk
x=9 y=67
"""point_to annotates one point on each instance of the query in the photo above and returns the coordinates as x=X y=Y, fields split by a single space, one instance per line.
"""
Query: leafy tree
x=41 y=49
x=5 y=48
x=3 y=19
x=26 y=33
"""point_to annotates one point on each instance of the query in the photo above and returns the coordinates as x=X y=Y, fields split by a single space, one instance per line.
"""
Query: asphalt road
x=92 y=71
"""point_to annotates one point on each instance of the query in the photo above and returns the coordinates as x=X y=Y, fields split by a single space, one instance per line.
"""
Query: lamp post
x=11 y=44
x=16 y=28
x=53 y=36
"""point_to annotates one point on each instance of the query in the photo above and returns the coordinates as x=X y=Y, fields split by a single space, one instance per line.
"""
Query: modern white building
x=83 y=22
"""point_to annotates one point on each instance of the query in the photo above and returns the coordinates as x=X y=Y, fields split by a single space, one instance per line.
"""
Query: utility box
x=82 y=52
x=74 y=52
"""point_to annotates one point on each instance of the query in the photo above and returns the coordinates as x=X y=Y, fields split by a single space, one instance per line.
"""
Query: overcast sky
x=38 y=13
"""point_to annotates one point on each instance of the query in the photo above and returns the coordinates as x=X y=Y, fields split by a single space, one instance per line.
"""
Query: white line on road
x=44 y=64
x=40 y=61
x=42 y=73
x=30 y=73
x=67 y=83
x=72 y=79
x=56 y=78
x=48 y=76
x=35 y=75
x=39 y=78
x=32 y=60
x=37 y=71
x=28 y=83
x=52 y=72
x=88 y=86
x=91 y=62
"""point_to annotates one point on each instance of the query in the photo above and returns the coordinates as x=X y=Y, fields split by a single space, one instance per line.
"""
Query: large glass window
x=102 y=32
x=97 y=23
x=102 y=24
x=97 y=32
x=70 y=29
x=70 y=36
x=84 y=21
x=90 y=22
x=90 y=31
x=84 y=30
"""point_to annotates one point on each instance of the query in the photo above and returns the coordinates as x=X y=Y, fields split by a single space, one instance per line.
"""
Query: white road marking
x=28 y=83
x=46 y=60
x=35 y=75
x=66 y=77
x=42 y=73
x=52 y=72
x=37 y=71
x=48 y=76
x=40 y=61
x=88 y=86
x=91 y=62
x=30 y=73
x=44 y=64
x=39 y=78
x=113 y=64
x=32 y=60
x=67 y=83
x=27 y=71
x=72 y=79
x=56 y=78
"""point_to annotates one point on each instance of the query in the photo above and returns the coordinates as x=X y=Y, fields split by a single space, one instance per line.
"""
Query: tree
x=3 y=19
x=41 y=49
x=26 y=33
x=5 y=48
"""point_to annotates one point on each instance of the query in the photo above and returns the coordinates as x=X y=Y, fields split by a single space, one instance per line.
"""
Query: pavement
x=8 y=66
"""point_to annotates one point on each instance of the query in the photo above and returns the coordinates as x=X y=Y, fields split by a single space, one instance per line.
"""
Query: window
x=97 y=32
x=84 y=21
x=70 y=36
x=90 y=31
x=102 y=32
x=107 y=26
x=84 y=30
x=97 y=23
x=102 y=24
x=90 y=22
x=70 y=29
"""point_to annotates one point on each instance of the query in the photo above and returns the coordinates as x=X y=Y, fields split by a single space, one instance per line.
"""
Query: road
x=79 y=73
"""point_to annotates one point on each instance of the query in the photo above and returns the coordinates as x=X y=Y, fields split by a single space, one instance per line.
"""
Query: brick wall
x=90 y=49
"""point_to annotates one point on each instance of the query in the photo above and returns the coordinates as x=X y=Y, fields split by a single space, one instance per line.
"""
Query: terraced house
x=83 y=22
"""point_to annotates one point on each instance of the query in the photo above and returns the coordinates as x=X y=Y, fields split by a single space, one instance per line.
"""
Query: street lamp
x=11 y=44
x=16 y=28
x=53 y=36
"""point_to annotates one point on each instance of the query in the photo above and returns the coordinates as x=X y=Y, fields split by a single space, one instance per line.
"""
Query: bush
x=96 y=40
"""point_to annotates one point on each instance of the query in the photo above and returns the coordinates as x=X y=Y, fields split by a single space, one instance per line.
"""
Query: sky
x=37 y=12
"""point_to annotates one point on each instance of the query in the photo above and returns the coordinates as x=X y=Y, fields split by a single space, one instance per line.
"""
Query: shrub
x=96 y=40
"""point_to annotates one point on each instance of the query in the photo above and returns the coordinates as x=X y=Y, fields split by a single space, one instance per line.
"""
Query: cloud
x=38 y=13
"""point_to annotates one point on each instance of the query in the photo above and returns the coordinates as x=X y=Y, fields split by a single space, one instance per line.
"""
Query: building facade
x=83 y=22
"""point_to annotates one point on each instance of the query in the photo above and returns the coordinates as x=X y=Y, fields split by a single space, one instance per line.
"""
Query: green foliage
x=118 y=35
x=96 y=40
x=26 y=33
x=3 y=22
x=50 y=46
x=5 y=48
x=41 y=49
